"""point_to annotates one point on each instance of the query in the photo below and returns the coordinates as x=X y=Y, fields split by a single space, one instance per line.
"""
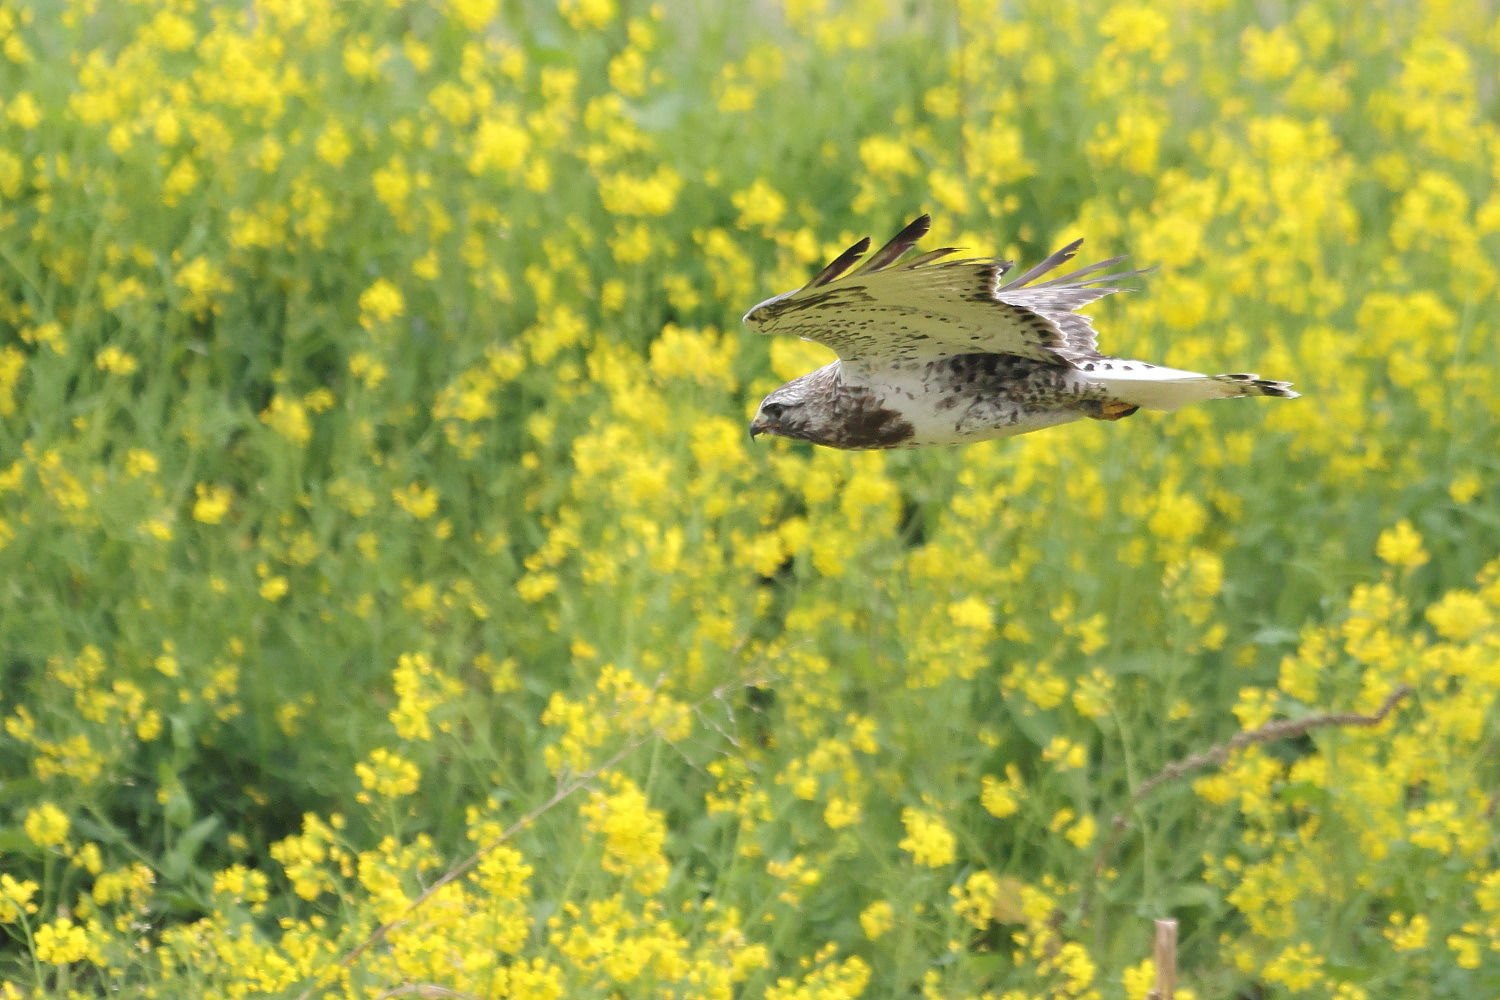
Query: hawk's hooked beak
x=757 y=428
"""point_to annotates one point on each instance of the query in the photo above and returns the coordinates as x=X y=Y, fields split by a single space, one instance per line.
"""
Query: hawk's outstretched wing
x=929 y=308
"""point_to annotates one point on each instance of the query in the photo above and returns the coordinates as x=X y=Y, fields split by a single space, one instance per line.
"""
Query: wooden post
x=1165 y=955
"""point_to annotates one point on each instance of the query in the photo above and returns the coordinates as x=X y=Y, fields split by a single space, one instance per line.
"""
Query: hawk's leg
x=1113 y=410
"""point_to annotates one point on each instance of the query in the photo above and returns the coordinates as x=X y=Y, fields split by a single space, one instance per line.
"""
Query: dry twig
x=426 y=991
x=1218 y=753
x=566 y=786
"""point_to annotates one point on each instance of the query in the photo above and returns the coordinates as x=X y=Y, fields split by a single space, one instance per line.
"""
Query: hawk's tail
x=1158 y=388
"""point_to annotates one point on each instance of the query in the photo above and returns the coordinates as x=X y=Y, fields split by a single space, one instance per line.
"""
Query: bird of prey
x=937 y=351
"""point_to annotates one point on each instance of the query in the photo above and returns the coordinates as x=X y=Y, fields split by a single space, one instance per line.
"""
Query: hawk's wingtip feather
x=840 y=264
x=898 y=245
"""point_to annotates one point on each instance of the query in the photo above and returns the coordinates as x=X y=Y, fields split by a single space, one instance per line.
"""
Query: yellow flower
x=625 y=194
x=583 y=14
x=1461 y=615
x=63 y=942
x=841 y=812
x=927 y=839
x=1135 y=28
x=1000 y=799
x=115 y=361
x=474 y=14
x=972 y=613
x=1177 y=518
x=15 y=899
x=1297 y=967
x=876 y=919
x=139 y=462
x=1081 y=834
x=759 y=205
x=1269 y=55
x=1139 y=979
x=1465 y=487
x=1401 y=546
x=212 y=503
x=46 y=825
x=886 y=158
x=243 y=885
x=381 y=302
x=24 y=110
x=420 y=688
x=1409 y=935
x=1068 y=754
x=1466 y=950
x=421 y=502
x=12 y=364
x=500 y=143
x=387 y=774
x=288 y=418
x=634 y=834
x=204 y=283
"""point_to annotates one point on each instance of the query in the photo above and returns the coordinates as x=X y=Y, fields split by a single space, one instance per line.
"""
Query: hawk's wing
x=929 y=308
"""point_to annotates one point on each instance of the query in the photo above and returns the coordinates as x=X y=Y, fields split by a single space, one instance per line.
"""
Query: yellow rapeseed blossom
x=16 y=898
x=928 y=840
x=115 y=361
x=387 y=775
x=213 y=503
x=46 y=825
x=438 y=320
x=288 y=418
x=380 y=303
x=594 y=14
x=760 y=206
x=633 y=834
x=62 y=942
x=1461 y=615
x=1069 y=755
x=1001 y=799
x=877 y=918
x=420 y=688
x=1408 y=935
x=1401 y=546
x=978 y=899
x=421 y=502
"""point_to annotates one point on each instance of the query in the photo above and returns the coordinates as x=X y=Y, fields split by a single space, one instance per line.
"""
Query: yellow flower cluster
x=391 y=602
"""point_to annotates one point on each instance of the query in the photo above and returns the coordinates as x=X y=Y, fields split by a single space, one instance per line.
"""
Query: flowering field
x=392 y=604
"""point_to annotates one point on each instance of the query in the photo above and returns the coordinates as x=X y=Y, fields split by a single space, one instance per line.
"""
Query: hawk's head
x=819 y=407
x=796 y=410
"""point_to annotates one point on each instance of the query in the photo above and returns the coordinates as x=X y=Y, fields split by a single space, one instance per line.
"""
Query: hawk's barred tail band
x=1253 y=385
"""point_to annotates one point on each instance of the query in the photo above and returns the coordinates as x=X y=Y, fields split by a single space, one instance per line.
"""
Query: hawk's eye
x=773 y=411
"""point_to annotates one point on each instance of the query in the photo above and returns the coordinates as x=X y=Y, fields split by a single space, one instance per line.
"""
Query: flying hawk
x=937 y=351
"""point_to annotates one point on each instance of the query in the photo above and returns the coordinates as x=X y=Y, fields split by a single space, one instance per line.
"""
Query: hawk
x=938 y=351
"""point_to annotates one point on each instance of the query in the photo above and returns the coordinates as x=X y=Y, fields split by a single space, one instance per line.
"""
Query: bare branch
x=1217 y=754
x=426 y=991
x=566 y=787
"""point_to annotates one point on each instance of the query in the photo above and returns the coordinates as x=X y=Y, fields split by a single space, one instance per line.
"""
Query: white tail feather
x=1156 y=388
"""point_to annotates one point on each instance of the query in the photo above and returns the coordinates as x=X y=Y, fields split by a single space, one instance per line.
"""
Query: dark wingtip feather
x=840 y=263
x=1056 y=258
x=899 y=244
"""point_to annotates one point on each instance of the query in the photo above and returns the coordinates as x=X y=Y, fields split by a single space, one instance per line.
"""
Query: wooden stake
x=1165 y=955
